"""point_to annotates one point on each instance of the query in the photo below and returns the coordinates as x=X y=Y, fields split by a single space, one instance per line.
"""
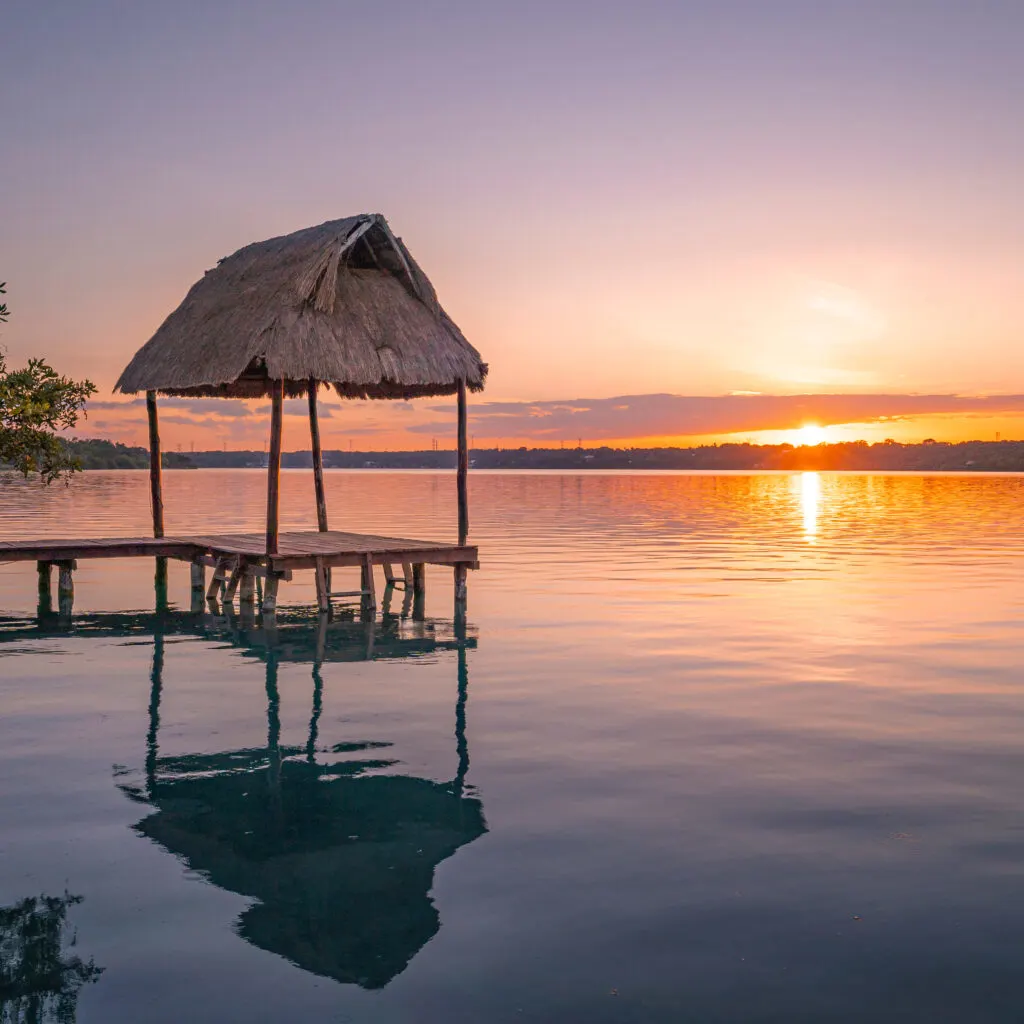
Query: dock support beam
x=274 y=468
x=463 y=467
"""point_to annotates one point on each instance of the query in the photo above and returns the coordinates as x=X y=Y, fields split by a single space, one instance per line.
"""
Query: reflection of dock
x=296 y=636
x=338 y=856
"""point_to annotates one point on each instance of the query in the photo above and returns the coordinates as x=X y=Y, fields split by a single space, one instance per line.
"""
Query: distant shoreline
x=889 y=456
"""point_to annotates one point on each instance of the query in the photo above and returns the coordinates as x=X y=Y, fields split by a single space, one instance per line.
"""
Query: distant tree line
x=929 y=456
x=887 y=456
x=99 y=454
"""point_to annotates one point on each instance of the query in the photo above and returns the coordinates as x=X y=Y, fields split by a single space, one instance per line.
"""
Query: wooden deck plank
x=297 y=549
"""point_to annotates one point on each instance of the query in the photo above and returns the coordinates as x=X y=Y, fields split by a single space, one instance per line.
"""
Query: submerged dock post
x=198 y=580
x=419 y=590
x=45 y=587
x=66 y=588
x=160 y=584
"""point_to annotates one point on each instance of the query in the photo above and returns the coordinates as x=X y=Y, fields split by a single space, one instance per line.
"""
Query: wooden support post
x=65 y=587
x=232 y=584
x=318 y=460
x=368 y=587
x=160 y=584
x=323 y=592
x=389 y=574
x=419 y=577
x=318 y=473
x=198 y=580
x=220 y=575
x=45 y=587
x=270 y=592
x=461 y=573
x=156 y=488
x=463 y=467
x=419 y=591
x=407 y=574
x=274 y=468
x=247 y=593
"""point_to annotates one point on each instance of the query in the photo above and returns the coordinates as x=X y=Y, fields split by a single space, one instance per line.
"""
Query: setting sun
x=810 y=434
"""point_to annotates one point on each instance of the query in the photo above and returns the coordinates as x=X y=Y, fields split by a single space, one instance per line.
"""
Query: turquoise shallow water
x=711 y=748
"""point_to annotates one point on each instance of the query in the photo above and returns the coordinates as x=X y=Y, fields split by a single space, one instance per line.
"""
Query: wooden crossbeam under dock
x=298 y=550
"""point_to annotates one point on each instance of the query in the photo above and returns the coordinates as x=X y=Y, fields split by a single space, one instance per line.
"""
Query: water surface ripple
x=723 y=747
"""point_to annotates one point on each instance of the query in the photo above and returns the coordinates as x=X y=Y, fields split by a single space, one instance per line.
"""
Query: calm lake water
x=713 y=748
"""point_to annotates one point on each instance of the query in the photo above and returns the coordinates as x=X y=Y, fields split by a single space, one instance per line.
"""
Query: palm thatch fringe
x=343 y=303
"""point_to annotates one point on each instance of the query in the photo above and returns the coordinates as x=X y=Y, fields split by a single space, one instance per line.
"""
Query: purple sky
x=611 y=199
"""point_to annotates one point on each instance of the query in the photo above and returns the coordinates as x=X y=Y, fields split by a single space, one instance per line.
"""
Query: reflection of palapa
x=340 y=861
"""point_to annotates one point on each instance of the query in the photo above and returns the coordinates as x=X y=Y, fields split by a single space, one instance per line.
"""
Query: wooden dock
x=239 y=559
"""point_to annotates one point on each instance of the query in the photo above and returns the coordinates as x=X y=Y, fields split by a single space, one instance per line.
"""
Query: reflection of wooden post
x=318 y=693
x=462 y=473
x=156 y=490
x=273 y=731
x=274 y=467
x=461 y=746
x=156 y=685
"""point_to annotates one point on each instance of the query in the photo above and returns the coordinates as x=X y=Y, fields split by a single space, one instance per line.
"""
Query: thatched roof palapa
x=343 y=303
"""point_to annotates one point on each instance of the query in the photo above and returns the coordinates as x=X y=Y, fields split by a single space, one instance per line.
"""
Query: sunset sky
x=658 y=222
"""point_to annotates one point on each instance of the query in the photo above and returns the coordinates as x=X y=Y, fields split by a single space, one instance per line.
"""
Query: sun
x=810 y=434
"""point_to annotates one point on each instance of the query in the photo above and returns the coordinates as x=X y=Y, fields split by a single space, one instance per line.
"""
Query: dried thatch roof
x=343 y=303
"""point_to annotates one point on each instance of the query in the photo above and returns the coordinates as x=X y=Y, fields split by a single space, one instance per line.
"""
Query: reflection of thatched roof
x=344 y=303
x=341 y=863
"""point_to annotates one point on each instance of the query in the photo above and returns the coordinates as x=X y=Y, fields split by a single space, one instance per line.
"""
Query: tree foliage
x=39 y=979
x=35 y=403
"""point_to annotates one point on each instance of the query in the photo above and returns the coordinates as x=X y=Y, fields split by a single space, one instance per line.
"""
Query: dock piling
x=247 y=591
x=160 y=584
x=45 y=587
x=198 y=580
x=65 y=587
